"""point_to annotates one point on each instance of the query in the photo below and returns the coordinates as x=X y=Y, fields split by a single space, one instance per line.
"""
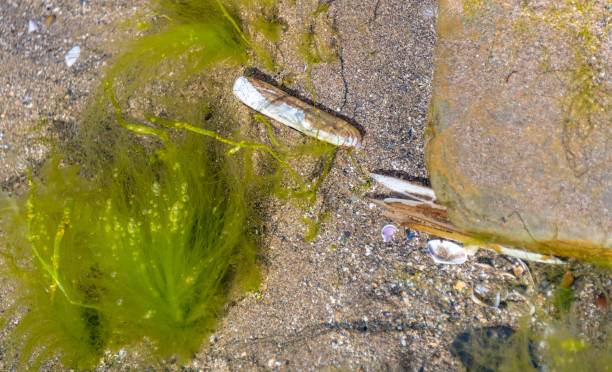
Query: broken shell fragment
x=387 y=232
x=485 y=296
x=404 y=187
x=72 y=55
x=529 y=256
x=299 y=115
x=446 y=252
x=32 y=26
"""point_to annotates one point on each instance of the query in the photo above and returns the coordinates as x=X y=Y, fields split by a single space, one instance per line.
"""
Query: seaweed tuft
x=151 y=248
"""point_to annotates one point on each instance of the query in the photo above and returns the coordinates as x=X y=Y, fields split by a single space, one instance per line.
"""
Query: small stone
x=568 y=279
x=50 y=19
x=486 y=296
x=601 y=301
x=460 y=285
x=517 y=271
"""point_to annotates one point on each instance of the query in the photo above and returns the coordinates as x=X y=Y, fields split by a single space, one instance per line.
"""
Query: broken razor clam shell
x=405 y=188
x=387 y=232
x=530 y=256
x=447 y=252
x=299 y=115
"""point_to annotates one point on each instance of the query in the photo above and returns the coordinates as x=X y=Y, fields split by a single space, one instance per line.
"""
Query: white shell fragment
x=32 y=26
x=387 y=232
x=530 y=256
x=288 y=110
x=446 y=252
x=72 y=55
x=404 y=187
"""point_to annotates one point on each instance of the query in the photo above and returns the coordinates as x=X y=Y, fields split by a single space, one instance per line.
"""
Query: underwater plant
x=151 y=248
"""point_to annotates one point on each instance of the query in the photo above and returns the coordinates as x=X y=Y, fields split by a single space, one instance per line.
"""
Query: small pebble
x=50 y=19
x=601 y=301
x=567 y=280
x=460 y=285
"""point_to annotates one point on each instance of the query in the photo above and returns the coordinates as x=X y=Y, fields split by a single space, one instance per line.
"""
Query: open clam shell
x=486 y=295
x=299 y=115
x=446 y=252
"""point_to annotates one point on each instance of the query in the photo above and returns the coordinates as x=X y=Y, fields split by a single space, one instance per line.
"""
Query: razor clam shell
x=288 y=110
x=406 y=188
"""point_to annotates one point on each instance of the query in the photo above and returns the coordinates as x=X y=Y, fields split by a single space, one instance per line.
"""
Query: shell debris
x=32 y=26
x=72 y=55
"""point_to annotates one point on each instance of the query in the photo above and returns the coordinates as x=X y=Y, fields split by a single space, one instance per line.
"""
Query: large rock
x=519 y=142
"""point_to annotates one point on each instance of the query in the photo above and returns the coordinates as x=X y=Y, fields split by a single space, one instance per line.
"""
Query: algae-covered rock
x=519 y=143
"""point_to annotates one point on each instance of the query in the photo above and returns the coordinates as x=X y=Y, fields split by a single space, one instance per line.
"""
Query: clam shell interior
x=446 y=252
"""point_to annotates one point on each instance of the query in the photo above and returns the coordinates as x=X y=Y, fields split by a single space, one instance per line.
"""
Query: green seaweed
x=472 y=7
x=123 y=240
x=314 y=226
x=271 y=28
x=152 y=248
x=322 y=9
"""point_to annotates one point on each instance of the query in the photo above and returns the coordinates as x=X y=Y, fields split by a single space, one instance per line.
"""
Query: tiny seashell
x=446 y=252
x=299 y=115
x=32 y=26
x=486 y=296
x=72 y=55
x=387 y=232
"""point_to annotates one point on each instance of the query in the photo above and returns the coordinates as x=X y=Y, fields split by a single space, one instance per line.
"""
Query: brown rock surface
x=520 y=134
